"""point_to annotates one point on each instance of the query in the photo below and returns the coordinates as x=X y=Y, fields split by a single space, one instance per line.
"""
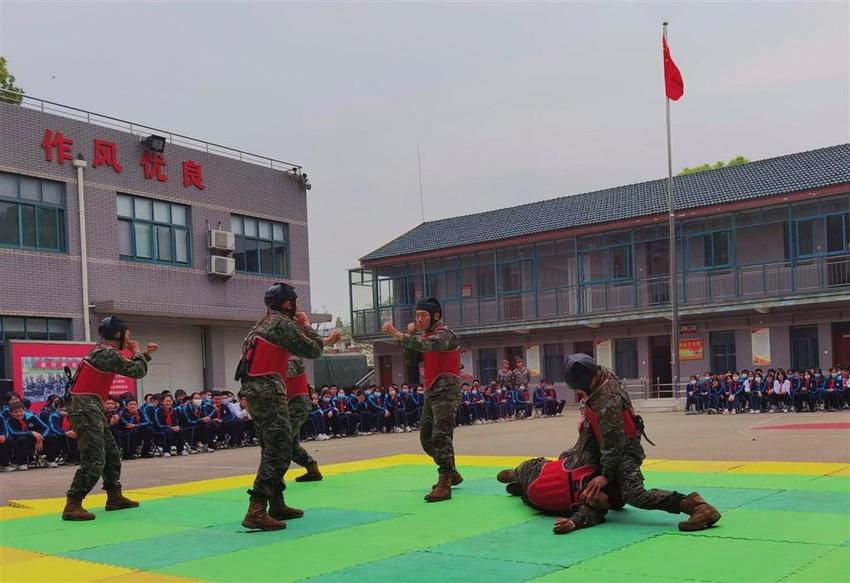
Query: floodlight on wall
x=154 y=143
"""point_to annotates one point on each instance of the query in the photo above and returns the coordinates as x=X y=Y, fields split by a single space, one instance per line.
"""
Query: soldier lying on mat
x=555 y=487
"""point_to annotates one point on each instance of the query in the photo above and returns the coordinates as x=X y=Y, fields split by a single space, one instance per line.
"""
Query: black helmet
x=579 y=370
x=277 y=294
x=432 y=306
x=112 y=326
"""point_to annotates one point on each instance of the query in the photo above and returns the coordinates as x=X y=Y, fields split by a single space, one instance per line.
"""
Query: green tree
x=7 y=83
x=736 y=161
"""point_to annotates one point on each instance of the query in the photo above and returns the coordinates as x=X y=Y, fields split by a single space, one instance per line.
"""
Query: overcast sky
x=510 y=103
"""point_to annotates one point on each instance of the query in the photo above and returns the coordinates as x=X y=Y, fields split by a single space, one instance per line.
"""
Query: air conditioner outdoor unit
x=221 y=240
x=219 y=266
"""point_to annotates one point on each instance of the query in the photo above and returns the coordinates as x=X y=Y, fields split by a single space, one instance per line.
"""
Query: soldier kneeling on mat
x=555 y=487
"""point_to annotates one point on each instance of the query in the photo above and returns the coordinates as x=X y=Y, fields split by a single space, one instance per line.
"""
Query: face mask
x=197 y=402
x=758 y=379
x=707 y=378
x=817 y=375
x=326 y=399
x=474 y=392
x=499 y=391
x=392 y=393
x=734 y=378
x=694 y=381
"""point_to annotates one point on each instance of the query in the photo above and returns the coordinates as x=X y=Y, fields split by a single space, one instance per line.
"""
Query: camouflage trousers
x=631 y=483
x=99 y=454
x=269 y=409
x=299 y=411
x=437 y=429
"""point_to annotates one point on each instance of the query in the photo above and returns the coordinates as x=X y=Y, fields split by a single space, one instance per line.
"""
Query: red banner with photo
x=38 y=369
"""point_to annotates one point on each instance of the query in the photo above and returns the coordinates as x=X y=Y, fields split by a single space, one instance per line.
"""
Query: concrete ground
x=727 y=438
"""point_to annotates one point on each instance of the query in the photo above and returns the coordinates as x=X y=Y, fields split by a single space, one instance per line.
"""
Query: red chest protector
x=92 y=381
x=440 y=363
x=630 y=430
x=557 y=489
x=297 y=385
x=267 y=359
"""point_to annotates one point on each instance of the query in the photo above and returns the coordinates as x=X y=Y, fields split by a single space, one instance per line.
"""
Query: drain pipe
x=80 y=164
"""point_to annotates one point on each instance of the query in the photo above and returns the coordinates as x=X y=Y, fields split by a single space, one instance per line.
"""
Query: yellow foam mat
x=44 y=568
x=804 y=468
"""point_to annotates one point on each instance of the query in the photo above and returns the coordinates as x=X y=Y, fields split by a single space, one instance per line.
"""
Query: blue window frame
x=823 y=235
x=21 y=328
x=261 y=246
x=153 y=231
x=709 y=251
x=32 y=213
x=606 y=264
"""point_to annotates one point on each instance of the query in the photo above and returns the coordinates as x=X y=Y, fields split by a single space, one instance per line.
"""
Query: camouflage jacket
x=505 y=378
x=443 y=339
x=109 y=359
x=608 y=401
x=296 y=365
x=521 y=377
x=283 y=331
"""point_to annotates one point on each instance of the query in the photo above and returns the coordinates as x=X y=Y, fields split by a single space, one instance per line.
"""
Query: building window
x=32 y=213
x=722 y=352
x=17 y=328
x=153 y=230
x=611 y=264
x=487 y=365
x=709 y=251
x=626 y=358
x=823 y=235
x=261 y=246
x=553 y=361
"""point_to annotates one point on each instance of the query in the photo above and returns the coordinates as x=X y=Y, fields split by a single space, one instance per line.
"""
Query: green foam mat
x=580 y=573
x=796 y=527
x=803 y=501
x=161 y=551
x=421 y=567
x=832 y=567
x=675 y=556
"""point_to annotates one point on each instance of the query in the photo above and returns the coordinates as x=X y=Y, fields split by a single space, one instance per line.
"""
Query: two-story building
x=763 y=276
x=179 y=236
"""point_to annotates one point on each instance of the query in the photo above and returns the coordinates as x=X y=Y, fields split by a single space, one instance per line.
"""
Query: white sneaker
x=8 y=468
x=166 y=454
x=52 y=465
x=22 y=468
x=725 y=412
x=734 y=412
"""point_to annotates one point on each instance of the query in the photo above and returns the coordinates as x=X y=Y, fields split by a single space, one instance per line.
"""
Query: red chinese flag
x=673 y=83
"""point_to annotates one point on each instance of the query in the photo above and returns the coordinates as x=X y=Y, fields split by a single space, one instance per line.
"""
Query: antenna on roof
x=421 y=195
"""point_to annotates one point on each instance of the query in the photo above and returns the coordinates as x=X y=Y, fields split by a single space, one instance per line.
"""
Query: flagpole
x=674 y=288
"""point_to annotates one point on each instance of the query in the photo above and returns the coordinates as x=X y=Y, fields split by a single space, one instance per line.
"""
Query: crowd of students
x=771 y=391
x=202 y=422
x=340 y=413
x=163 y=424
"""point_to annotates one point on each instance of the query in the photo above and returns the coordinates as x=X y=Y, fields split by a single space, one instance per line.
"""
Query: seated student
x=845 y=386
x=555 y=487
x=167 y=420
x=135 y=428
x=805 y=394
x=781 y=392
x=504 y=404
x=551 y=396
x=180 y=398
x=316 y=419
x=222 y=424
x=377 y=408
x=329 y=413
x=59 y=428
x=771 y=388
x=729 y=395
x=489 y=403
x=744 y=399
x=725 y=381
x=410 y=408
x=833 y=393
x=523 y=402
x=715 y=394
x=27 y=435
x=395 y=405
x=152 y=402
x=51 y=405
x=346 y=421
x=465 y=407
x=756 y=393
x=539 y=399
x=359 y=411
x=195 y=414
x=5 y=446
x=476 y=401
x=244 y=417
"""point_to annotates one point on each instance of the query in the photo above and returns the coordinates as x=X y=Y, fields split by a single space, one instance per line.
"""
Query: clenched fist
x=151 y=348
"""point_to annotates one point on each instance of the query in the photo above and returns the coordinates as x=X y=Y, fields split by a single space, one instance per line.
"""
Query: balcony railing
x=746 y=282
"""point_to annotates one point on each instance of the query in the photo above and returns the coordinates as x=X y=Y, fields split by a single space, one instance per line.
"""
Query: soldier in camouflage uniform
x=582 y=514
x=522 y=376
x=608 y=412
x=425 y=339
x=505 y=376
x=299 y=410
x=99 y=454
x=282 y=329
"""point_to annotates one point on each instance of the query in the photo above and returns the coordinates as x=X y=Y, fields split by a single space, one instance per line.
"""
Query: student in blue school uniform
x=27 y=435
x=806 y=394
x=734 y=390
x=225 y=428
x=489 y=402
x=715 y=394
x=170 y=422
x=5 y=446
x=540 y=399
x=360 y=407
x=136 y=428
x=395 y=405
x=59 y=425
x=692 y=396
x=465 y=407
x=476 y=402
x=195 y=413
x=833 y=393
x=378 y=409
x=523 y=402
x=345 y=419
x=408 y=395
x=704 y=393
